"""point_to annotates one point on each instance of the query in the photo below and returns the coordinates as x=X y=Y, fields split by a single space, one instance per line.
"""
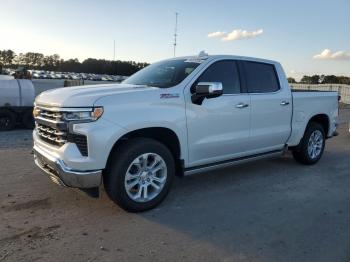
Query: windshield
x=163 y=74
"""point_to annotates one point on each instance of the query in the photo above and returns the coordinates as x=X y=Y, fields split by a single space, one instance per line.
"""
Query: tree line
x=322 y=79
x=32 y=60
x=38 y=61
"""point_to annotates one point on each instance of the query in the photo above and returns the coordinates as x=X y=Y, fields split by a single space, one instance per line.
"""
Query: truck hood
x=84 y=96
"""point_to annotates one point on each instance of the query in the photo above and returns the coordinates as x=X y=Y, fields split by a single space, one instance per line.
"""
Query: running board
x=231 y=162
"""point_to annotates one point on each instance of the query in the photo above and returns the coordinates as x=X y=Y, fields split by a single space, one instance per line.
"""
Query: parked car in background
x=36 y=75
x=42 y=74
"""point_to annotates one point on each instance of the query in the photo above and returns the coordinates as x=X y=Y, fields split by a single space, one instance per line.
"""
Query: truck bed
x=309 y=103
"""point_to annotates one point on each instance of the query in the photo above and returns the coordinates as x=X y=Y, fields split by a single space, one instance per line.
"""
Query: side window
x=260 y=77
x=225 y=72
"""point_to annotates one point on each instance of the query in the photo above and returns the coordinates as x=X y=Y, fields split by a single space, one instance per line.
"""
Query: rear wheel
x=7 y=120
x=311 y=146
x=139 y=175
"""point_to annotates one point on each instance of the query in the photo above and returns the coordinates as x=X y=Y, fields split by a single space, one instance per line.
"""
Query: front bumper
x=60 y=174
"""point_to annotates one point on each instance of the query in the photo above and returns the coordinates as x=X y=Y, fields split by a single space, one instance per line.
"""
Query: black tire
x=7 y=120
x=121 y=159
x=28 y=120
x=301 y=153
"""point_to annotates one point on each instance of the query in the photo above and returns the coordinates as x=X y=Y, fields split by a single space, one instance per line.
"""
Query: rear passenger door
x=271 y=107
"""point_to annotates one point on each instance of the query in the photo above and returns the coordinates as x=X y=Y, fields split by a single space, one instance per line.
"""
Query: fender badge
x=169 y=96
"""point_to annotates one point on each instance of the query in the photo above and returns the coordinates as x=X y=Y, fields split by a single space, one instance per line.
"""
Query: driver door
x=219 y=128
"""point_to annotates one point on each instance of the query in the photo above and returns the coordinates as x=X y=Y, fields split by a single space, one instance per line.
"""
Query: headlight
x=84 y=115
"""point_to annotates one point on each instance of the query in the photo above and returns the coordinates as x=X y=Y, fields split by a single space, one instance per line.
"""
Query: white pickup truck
x=178 y=116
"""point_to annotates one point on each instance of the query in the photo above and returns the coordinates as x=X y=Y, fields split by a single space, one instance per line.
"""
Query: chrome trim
x=61 y=174
x=267 y=93
x=53 y=115
x=49 y=120
x=212 y=86
x=51 y=134
x=65 y=109
x=53 y=131
x=242 y=105
x=55 y=139
x=284 y=103
x=233 y=162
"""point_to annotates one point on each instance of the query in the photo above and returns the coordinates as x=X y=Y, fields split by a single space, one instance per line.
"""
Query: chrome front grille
x=51 y=135
x=51 y=115
x=50 y=126
x=53 y=129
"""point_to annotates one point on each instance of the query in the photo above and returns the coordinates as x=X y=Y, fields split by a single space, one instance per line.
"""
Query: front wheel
x=311 y=146
x=139 y=174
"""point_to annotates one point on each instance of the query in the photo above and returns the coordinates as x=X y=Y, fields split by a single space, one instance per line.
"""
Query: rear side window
x=225 y=72
x=260 y=77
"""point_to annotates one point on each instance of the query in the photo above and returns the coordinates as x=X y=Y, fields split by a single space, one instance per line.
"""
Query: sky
x=306 y=36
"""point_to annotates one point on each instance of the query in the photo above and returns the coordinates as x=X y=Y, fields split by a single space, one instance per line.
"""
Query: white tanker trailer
x=16 y=102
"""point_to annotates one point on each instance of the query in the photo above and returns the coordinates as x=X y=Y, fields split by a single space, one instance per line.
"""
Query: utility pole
x=175 y=33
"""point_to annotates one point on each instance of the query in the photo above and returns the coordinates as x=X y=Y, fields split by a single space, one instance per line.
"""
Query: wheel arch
x=321 y=119
x=163 y=135
x=299 y=127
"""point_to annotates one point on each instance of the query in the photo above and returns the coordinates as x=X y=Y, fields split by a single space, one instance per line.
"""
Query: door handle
x=242 y=105
x=284 y=103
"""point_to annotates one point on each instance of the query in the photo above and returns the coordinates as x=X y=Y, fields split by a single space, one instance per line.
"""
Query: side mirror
x=206 y=90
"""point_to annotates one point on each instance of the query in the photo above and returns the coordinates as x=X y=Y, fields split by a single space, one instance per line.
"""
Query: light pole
x=175 y=33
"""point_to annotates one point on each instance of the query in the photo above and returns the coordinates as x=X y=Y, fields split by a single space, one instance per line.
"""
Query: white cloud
x=327 y=54
x=239 y=34
x=216 y=34
x=297 y=75
x=236 y=34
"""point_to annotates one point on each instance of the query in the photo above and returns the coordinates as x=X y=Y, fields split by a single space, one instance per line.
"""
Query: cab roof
x=234 y=57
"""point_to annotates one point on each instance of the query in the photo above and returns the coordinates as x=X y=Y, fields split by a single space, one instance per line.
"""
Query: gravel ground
x=270 y=210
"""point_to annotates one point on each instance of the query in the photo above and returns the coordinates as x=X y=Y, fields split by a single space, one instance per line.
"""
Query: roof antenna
x=175 y=33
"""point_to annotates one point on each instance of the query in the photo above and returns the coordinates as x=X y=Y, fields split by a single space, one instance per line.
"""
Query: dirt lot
x=272 y=210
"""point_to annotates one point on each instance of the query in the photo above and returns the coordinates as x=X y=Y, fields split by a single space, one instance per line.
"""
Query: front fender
x=147 y=110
